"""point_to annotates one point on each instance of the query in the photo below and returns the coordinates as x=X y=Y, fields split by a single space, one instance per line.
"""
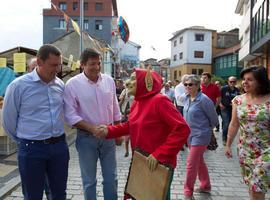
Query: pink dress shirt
x=95 y=103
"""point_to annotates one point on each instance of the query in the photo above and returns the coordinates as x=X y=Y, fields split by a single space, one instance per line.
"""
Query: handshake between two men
x=100 y=131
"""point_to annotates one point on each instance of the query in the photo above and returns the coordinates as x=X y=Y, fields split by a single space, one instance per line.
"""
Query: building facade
x=226 y=54
x=260 y=32
x=254 y=32
x=243 y=9
x=129 y=58
x=225 y=64
x=191 y=51
x=98 y=17
x=165 y=68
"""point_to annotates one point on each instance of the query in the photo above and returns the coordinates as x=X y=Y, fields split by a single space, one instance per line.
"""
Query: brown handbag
x=213 y=145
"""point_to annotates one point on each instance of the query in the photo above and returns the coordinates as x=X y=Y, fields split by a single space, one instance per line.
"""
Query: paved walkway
x=225 y=176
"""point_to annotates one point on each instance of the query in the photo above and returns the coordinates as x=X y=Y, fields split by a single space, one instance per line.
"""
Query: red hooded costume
x=154 y=125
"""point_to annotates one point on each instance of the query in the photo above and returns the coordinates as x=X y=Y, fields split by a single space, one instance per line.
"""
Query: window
x=175 y=74
x=198 y=54
x=181 y=40
x=225 y=61
x=99 y=6
x=181 y=55
x=179 y=73
x=175 y=43
x=199 y=37
x=194 y=71
x=200 y=71
x=174 y=58
x=62 y=6
x=62 y=24
x=85 y=24
x=85 y=6
x=234 y=60
x=75 y=6
x=98 y=24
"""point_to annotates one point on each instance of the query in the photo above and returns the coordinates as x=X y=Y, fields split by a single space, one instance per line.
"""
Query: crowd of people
x=155 y=116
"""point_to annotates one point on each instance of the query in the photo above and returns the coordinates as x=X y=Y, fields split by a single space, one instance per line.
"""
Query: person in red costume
x=154 y=125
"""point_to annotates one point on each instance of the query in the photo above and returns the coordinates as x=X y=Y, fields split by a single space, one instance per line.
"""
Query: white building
x=243 y=9
x=129 y=58
x=191 y=51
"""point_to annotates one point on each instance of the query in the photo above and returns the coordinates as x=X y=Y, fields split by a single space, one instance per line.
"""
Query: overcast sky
x=151 y=22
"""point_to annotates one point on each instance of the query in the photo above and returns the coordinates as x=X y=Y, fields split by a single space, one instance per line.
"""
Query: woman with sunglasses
x=251 y=116
x=201 y=116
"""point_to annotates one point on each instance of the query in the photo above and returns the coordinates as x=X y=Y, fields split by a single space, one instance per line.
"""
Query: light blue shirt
x=33 y=109
x=169 y=93
x=201 y=116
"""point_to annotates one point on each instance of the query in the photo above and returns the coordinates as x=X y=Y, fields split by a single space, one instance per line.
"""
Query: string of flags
x=67 y=19
x=123 y=29
x=19 y=59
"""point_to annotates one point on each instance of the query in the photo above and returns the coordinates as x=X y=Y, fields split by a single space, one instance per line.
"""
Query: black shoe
x=126 y=154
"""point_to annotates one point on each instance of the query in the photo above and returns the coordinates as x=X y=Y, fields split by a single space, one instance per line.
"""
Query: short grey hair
x=31 y=61
x=183 y=77
x=193 y=78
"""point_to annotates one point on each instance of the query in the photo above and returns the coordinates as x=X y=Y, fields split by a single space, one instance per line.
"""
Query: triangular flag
x=66 y=17
x=70 y=60
x=76 y=27
x=90 y=37
x=73 y=66
x=54 y=6
x=78 y=64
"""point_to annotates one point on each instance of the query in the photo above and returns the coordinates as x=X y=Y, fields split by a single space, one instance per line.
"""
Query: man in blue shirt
x=33 y=116
x=228 y=92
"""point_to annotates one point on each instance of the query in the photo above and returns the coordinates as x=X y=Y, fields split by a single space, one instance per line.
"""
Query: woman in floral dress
x=251 y=115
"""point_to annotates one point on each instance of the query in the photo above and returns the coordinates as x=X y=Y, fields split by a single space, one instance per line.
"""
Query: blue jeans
x=36 y=160
x=90 y=149
x=226 y=115
x=47 y=190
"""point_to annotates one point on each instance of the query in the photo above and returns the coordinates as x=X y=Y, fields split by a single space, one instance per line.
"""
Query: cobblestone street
x=225 y=176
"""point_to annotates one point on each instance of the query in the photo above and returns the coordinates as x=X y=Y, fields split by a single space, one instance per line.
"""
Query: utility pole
x=81 y=24
x=81 y=27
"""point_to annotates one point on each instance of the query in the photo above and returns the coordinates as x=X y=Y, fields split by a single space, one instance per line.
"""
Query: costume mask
x=131 y=84
x=149 y=80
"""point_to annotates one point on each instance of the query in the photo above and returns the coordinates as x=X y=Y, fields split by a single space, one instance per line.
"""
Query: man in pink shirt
x=90 y=100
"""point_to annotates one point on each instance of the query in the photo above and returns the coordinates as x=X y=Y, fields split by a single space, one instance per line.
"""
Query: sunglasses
x=188 y=84
x=232 y=81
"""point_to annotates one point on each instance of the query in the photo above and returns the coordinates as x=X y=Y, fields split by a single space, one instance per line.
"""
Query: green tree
x=217 y=78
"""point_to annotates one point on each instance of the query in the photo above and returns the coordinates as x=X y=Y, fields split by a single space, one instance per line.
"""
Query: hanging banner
x=19 y=62
x=76 y=27
x=3 y=62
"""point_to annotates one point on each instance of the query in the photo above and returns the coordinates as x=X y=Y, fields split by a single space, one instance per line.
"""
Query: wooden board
x=2 y=132
x=146 y=185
